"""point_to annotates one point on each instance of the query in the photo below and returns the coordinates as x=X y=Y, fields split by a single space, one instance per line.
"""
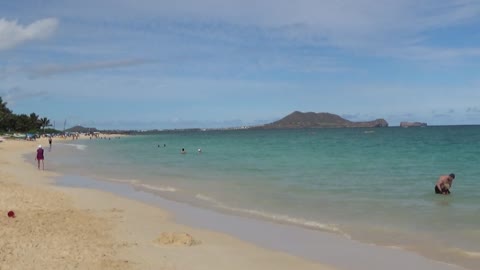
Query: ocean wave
x=281 y=218
x=207 y=198
x=158 y=188
x=466 y=253
x=138 y=183
x=80 y=147
x=126 y=181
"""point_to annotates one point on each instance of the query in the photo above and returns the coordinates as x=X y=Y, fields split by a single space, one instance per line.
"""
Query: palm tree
x=45 y=123
x=5 y=115
x=3 y=108
x=35 y=121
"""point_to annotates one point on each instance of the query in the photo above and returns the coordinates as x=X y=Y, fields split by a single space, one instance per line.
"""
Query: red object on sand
x=11 y=214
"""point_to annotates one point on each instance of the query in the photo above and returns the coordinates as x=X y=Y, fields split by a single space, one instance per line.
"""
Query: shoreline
x=134 y=235
x=301 y=242
x=332 y=248
x=202 y=194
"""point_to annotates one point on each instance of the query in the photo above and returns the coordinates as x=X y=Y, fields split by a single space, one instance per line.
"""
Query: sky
x=154 y=64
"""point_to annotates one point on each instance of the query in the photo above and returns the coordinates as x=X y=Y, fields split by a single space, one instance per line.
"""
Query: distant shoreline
x=157 y=131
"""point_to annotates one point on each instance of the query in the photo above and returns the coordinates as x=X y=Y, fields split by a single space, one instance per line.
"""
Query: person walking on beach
x=444 y=184
x=40 y=157
x=50 y=142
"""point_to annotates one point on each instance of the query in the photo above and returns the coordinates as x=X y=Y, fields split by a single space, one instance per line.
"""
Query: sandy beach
x=72 y=228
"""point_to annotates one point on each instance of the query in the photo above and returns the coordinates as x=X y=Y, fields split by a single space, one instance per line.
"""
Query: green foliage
x=10 y=122
x=3 y=107
x=44 y=122
x=5 y=114
x=51 y=131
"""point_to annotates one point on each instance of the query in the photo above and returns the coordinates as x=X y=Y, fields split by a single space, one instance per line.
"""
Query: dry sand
x=69 y=228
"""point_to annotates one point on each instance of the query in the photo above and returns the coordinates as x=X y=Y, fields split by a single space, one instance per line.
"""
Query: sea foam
x=158 y=188
x=280 y=218
x=80 y=147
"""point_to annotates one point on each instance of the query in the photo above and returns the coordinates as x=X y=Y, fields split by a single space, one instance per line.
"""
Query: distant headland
x=295 y=120
x=319 y=120
x=412 y=124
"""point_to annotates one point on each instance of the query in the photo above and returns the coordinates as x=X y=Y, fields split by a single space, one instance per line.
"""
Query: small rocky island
x=320 y=120
x=412 y=124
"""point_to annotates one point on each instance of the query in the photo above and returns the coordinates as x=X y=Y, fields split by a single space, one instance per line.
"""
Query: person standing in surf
x=444 y=184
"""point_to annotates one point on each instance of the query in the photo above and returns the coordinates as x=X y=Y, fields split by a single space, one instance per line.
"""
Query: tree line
x=10 y=122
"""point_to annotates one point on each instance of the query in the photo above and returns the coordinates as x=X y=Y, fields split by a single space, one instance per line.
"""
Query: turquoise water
x=372 y=185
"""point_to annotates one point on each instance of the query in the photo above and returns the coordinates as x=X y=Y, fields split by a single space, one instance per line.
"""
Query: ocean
x=371 y=185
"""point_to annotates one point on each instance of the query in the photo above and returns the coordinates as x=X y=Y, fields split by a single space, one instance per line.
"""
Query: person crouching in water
x=444 y=184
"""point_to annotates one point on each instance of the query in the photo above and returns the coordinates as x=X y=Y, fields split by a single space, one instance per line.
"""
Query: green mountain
x=320 y=120
x=81 y=129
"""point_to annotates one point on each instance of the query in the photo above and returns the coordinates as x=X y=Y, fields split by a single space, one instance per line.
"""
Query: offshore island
x=295 y=120
x=320 y=120
x=412 y=124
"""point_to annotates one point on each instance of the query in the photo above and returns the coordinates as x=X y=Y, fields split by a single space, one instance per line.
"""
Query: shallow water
x=314 y=245
x=374 y=185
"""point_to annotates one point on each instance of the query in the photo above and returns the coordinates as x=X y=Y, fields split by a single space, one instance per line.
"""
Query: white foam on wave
x=158 y=188
x=127 y=181
x=206 y=198
x=80 y=147
x=474 y=254
x=466 y=253
x=276 y=217
x=138 y=183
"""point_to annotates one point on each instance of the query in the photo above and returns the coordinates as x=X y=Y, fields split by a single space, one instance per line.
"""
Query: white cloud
x=13 y=34
x=15 y=94
x=52 y=69
x=344 y=23
x=432 y=54
x=392 y=28
x=474 y=109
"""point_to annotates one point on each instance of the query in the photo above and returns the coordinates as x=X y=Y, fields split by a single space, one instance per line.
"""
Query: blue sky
x=145 y=64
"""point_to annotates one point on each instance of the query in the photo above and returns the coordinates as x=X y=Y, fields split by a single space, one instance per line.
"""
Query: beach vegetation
x=45 y=122
x=11 y=122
